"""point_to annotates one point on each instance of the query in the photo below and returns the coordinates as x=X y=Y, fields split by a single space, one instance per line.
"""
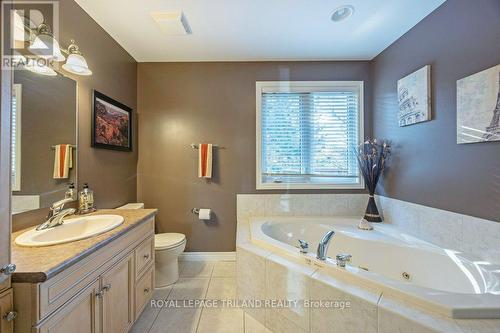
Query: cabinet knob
x=99 y=294
x=8 y=269
x=146 y=256
x=106 y=287
x=10 y=316
x=146 y=290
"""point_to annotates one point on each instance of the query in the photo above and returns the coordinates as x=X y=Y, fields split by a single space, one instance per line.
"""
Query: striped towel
x=63 y=161
x=205 y=160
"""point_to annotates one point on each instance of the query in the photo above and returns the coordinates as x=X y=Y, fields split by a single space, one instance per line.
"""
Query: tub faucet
x=323 y=245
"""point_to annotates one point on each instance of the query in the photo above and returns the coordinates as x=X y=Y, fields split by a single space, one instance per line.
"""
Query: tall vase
x=371 y=213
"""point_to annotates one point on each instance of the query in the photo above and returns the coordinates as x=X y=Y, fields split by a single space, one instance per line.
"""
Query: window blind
x=309 y=137
x=16 y=138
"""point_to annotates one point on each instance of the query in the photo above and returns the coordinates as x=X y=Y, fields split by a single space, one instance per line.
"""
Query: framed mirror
x=44 y=151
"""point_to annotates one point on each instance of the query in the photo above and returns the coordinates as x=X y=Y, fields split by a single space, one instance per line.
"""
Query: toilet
x=168 y=247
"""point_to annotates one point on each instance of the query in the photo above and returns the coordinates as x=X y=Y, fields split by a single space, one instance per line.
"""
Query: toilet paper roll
x=205 y=214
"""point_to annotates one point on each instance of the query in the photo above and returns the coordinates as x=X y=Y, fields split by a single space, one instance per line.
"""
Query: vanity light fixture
x=76 y=63
x=39 y=68
x=342 y=13
x=44 y=41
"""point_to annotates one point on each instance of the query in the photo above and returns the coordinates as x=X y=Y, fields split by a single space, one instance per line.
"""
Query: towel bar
x=54 y=147
x=195 y=146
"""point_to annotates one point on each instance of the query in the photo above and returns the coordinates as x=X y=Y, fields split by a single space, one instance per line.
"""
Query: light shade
x=38 y=68
x=77 y=64
x=44 y=43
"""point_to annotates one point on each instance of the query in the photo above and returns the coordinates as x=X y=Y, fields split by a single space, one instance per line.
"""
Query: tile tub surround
x=262 y=274
x=446 y=229
x=380 y=313
x=443 y=228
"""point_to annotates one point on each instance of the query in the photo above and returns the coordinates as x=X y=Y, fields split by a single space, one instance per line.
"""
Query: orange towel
x=63 y=161
x=205 y=160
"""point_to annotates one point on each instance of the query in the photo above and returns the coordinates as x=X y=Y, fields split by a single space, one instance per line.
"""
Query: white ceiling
x=248 y=30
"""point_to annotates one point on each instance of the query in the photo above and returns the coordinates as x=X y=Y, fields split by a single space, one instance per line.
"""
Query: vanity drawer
x=144 y=290
x=144 y=256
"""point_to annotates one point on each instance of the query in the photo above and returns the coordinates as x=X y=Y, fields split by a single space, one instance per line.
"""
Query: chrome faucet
x=323 y=245
x=57 y=214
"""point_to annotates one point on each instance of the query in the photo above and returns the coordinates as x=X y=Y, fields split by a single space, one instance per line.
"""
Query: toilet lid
x=168 y=240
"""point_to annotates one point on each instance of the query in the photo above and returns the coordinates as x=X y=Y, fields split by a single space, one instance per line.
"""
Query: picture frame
x=478 y=107
x=414 y=97
x=112 y=123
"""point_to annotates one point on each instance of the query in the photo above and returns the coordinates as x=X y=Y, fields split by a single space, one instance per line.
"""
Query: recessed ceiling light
x=342 y=13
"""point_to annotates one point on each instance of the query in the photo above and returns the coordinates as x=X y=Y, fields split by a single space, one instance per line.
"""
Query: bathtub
x=449 y=282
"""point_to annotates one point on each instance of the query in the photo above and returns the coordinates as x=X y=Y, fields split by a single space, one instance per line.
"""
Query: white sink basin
x=71 y=230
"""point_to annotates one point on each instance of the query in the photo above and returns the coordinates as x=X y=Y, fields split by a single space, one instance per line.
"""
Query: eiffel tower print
x=493 y=131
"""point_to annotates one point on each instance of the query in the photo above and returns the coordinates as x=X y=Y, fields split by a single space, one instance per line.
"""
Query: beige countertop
x=37 y=264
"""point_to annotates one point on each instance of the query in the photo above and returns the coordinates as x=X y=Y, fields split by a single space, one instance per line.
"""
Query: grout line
x=204 y=297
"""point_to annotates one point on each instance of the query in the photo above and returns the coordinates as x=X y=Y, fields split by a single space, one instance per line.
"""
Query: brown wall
x=184 y=103
x=112 y=174
x=48 y=117
x=459 y=39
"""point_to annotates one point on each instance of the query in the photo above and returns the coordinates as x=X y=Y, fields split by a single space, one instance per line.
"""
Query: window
x=307 y=134
x=15 y=165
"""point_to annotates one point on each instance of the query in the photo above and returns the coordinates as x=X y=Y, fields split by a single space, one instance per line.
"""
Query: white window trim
x=303 y=86
x=17 y=89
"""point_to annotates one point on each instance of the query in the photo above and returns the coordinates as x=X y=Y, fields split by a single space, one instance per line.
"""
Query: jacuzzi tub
x=442 y=280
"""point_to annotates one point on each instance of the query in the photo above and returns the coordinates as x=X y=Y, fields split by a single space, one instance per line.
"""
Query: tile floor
x=198 y=281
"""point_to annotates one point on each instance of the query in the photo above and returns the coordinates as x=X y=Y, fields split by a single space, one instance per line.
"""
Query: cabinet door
x=6 y=312
x=117 y=300
x=81 y=315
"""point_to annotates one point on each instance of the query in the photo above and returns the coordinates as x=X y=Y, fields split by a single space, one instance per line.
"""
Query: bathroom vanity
x=98 y=284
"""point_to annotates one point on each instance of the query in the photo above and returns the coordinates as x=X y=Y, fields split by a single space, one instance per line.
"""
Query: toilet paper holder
x=197 y=210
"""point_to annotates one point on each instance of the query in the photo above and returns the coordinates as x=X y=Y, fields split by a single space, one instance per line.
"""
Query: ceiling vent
x=172 y=23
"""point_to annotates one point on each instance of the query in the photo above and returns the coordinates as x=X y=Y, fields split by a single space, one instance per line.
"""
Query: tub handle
x=303 y=246
x=343 y=258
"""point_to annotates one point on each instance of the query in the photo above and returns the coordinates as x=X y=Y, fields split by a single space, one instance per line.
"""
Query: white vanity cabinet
x=100 y=293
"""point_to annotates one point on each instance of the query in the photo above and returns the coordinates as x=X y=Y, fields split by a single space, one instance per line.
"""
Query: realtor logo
x=29 y=32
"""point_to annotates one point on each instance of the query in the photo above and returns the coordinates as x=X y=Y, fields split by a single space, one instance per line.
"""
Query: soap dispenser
x=86 y=200
x=70 y=192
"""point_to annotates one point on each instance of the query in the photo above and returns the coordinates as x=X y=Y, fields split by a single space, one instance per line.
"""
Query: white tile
x=189 y=288
x=162 y=293
x=356 y=310
x=479 y=326
x=144 y=323
x=190 y=269
x=395 y=317
x=221 y=320
x=253 y=326
x=440 y=227
x=482 y=238
x=224 y=269
x=288 y=280
x=251 y=277
x=276 y=323
x=178 y=320
x=222 y=288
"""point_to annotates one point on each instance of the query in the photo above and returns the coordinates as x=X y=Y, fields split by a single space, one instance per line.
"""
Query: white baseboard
x=208 y=256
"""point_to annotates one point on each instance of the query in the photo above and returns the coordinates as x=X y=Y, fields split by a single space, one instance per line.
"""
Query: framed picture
x=478 y=107
x=414 y=97
x=111 y=123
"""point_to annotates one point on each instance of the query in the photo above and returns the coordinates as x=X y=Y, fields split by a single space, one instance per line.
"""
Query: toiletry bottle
x=70 y=192
x=86 y=200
